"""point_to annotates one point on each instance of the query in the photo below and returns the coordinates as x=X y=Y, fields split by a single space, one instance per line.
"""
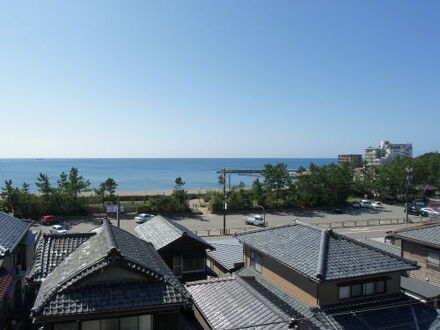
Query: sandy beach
x=148 y=193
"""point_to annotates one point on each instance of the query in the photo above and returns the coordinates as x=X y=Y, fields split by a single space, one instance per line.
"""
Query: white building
x=386 y=152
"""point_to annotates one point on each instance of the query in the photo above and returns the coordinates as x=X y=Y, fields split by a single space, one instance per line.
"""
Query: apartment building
x=386 y=152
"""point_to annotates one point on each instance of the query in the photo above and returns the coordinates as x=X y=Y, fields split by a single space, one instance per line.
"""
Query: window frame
x=429 y=264
x=362 y=285
x=255 y=260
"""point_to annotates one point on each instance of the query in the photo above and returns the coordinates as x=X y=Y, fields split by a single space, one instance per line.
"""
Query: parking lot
x=212 y=222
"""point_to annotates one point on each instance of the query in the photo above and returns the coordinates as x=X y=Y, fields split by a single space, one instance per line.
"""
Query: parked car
x=419 y=202
x=356 y=205
x=256 y=220
x=338 y=210
x=141 y=218
x=415 y=210
x=376 y=204
x=48 y=219
x=430 y=211
x=58 y=229
x=365 y=204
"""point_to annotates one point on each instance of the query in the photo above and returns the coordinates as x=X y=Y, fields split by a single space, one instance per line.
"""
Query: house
x=183 y=251
x=422 y=244
x=318 y=278
x=16 y=251
x=226 y=258
x=109 y=279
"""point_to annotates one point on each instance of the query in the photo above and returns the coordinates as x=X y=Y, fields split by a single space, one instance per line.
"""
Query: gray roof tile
x=109 y=246
x=394 y=249
x=321 y=254
x=429 y=234
x=422 y=288
x=160 y=232
x=228 y=253
x=12 y=230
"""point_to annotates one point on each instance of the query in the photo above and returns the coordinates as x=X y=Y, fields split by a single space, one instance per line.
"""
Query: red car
x=49 y=219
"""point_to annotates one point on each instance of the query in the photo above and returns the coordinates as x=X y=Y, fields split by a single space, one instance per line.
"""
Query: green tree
x=77 y=183
x=276 y=181
x=43 y=185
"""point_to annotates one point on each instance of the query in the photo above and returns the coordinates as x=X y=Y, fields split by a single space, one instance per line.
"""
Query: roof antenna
x=293 y=324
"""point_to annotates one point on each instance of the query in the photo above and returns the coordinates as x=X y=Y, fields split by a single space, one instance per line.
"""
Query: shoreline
x=148 y=192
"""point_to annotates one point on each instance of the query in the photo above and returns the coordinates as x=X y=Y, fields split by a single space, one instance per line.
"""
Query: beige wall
x=418 y=252
x=292 y=282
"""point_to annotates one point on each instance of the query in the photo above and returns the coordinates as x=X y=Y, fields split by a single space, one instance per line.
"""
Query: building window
x=177 y=265
x=195 y=264
x=362 y=289
x=255 y=261
x=433 y=259
x=141 y=322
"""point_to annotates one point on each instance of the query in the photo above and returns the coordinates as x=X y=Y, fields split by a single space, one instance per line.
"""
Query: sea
x=145 y=174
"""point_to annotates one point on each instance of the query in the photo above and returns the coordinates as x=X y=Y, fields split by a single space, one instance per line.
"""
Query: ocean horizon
x=143 y=174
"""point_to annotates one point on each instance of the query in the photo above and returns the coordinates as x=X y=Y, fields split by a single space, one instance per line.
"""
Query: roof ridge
x=242 y=233
x=417 y=228
x=169 y=223
x=322 y=257
x=110 y=238
x=215 y=280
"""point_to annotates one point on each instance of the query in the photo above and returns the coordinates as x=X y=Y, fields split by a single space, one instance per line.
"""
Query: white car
x=256 y=220
x=430 y=211
x=58 y=229
x=141 y=218
x=376 y=204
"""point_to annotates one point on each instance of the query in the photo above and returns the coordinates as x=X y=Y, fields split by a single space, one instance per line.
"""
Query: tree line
x=61 y=199
x=331 y=185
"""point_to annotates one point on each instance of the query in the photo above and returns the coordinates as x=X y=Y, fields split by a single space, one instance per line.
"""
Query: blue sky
x=217 y=78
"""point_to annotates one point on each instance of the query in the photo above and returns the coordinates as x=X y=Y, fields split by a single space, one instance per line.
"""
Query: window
x=362 y=289
x=90 y=325
x=110 y=324
x=145 y=322
x=177 y=265
x=193 y=264
x=141 y=322
x=344 y=292
x=66 y=326
x=129 y=323
x=255 y=261
x=433 y=259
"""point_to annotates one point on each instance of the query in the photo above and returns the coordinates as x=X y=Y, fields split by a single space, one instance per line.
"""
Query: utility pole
x=408 y=179
x=117 y=215
x=225 y=204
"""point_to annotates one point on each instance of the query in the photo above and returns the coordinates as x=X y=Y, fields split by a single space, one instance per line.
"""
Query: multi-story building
x=386 y=152
x=318 y=278
x=16 y=252
x=354 y=159
x=107 y=279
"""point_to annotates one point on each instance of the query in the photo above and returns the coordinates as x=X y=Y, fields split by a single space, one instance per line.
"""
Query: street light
x=264 y=214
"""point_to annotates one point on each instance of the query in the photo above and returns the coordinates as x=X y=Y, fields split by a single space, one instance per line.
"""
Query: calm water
x=142 y=174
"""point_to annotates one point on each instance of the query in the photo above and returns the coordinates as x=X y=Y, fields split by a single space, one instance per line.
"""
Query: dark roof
x=321 y=254
x=244 y=299
x=51 y=250
x=421 y=288
x=394 y=249
x=231 y=302
x=12 y=230
x=6 y=283
x=160 y=232
x=429 y=234
x=110 y=246
x=228 y=253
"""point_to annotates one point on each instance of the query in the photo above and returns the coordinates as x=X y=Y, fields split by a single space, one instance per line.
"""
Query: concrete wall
x=419 y=252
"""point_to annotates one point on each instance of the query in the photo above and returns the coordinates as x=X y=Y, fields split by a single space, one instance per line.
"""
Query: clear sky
x=217 y=78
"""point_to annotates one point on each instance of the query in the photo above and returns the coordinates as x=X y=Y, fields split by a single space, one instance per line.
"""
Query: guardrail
x=338 y=224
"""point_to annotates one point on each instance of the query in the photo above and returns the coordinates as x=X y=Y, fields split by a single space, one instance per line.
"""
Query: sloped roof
x=51 y=250
x=12 y=230
x=231 y=303
x=160 y=232
x=429 y=234
x=110 y=245
x=422 y=288
x=321 y=254
x=394 y=249
x=228 y=253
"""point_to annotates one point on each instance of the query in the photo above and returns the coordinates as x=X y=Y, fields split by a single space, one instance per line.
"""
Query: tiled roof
x=429 y=234
x=321 y=254
x=103 y=297
x=51 y=250
x=232 y=303
x=228 y=253
x=6 y=282
x=110 y=246
x=12 y=230
x=421 y=288
x=160 y=232
x=394 y=249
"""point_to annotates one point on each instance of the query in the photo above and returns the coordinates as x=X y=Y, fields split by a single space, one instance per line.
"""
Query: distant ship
x=39 y=159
